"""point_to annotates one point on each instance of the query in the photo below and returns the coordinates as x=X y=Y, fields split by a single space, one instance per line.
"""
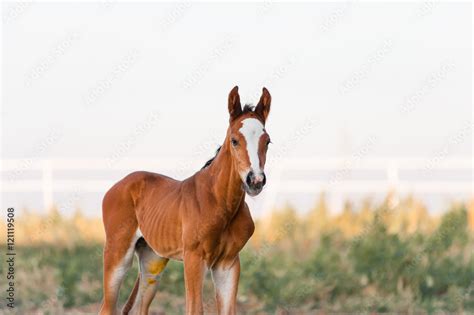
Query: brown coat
x=202 y=220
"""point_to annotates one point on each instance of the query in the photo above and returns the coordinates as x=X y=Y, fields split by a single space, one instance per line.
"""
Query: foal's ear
x=235 y=109
x=263 y=106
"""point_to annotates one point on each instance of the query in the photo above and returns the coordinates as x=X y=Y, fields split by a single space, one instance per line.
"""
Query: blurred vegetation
x=374 y=258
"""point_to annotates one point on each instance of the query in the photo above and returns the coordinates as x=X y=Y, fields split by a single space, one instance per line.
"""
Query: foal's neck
x=226 y=185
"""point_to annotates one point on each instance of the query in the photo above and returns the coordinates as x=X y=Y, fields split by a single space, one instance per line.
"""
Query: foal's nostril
x=249 y=178
x=264 y=181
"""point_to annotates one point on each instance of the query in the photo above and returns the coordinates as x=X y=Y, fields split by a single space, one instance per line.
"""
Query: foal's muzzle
x=254 y=183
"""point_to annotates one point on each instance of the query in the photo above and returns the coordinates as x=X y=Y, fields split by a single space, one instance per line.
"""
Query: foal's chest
x=226 y=239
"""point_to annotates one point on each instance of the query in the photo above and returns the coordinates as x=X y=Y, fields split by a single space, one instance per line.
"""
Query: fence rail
x=19 y=175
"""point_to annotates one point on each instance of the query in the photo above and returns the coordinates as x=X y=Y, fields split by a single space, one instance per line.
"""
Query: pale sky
x=91 y=73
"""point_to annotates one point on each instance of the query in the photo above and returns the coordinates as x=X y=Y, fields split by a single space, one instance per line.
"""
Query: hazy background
x=122 y=81
x=371 y=104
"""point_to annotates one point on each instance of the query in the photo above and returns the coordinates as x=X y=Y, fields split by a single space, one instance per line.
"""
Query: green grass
x=375 y=272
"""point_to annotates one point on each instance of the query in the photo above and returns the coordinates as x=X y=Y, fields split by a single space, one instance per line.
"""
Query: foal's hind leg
x=151 y=267
x=117 y=260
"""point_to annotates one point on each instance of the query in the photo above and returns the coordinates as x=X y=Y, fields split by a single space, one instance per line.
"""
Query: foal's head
x=248 y=140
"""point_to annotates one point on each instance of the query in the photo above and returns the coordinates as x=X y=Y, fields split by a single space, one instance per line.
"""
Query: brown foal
x=203 y=220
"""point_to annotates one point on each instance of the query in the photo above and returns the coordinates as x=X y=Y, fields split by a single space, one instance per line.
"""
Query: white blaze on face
x=252 y=130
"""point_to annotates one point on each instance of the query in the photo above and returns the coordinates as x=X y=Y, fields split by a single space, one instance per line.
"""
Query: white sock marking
x=224 y=281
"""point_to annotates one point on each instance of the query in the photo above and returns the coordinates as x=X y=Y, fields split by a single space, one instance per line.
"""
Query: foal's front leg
x=226 y=281
x=194 y=270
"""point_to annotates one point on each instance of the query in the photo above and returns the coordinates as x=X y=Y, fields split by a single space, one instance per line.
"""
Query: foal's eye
x=268 y=142
x=234 y=142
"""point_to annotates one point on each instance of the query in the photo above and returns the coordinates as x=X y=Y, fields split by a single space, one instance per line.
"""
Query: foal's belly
x=162 y=231
x=167 y=248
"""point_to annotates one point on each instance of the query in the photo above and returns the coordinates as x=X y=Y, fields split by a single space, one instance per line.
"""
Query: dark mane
x=212 y=159
x=248 y=108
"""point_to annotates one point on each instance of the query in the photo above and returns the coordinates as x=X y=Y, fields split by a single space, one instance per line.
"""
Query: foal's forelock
x=252 y=129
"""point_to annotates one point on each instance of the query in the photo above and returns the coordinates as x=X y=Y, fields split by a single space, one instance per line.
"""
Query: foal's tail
x=131 y=300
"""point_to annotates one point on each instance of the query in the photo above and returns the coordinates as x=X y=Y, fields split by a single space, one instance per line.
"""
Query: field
x=370 y=258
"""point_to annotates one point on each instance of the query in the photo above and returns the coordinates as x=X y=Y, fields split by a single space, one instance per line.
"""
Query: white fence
x=16 y=175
